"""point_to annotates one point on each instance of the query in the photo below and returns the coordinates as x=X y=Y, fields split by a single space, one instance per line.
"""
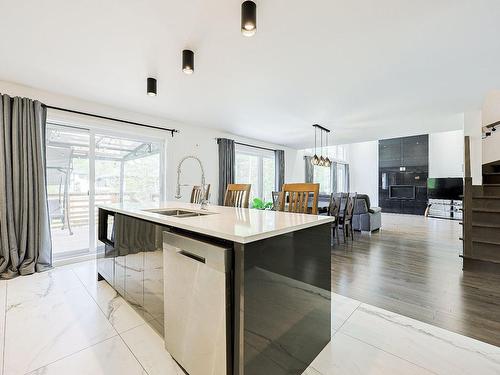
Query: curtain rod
x=262 y=148
x=172 y=131
x=246 y=144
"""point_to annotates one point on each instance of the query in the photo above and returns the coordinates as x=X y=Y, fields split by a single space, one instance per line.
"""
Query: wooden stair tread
x=491 y=173
x=486 y=242
x=490 y=210
x=493 y=185
x=486 y=225
x=487 y=197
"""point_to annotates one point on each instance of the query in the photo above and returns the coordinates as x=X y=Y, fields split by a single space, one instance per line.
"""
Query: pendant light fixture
x=248 y=18
x=320 y=161
x=315 y=159
x=188 y=61
x=151 y=87
x=328 y=162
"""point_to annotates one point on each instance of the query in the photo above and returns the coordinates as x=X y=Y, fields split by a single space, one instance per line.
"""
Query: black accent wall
x=404 y=162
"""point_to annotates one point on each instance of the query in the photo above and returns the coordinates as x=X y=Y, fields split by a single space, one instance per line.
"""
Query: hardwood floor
x=412 y=267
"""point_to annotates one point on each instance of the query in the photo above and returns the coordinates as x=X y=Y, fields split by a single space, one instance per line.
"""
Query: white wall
x=363 y=169
x=446 y=154
x=191 y=140
x=490 y=115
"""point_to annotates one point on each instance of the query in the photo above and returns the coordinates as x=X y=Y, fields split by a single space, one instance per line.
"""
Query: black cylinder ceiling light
x=248 y=18
x=188 y=61
x=151 y=89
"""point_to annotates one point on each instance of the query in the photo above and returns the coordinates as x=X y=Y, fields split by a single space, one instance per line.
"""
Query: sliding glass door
x=86 y=168
x=68 y=181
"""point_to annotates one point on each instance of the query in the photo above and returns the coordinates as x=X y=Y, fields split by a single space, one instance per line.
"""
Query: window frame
x=261 y=154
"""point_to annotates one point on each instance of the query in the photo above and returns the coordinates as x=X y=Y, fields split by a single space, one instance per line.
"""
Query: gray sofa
x=366 y=218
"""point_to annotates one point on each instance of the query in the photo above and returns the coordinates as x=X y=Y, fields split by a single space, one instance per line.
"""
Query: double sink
x=179 y=213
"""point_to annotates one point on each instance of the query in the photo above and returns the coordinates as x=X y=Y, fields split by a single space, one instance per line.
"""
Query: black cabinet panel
x=390 y=205
x=390 y=153
x=421 y=194
x=404 y=161
x=408 y=207
x=415 y=151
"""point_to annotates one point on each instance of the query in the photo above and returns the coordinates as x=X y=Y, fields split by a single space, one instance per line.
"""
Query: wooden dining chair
x=298 y=198
x=196 y=194
x=237 y=195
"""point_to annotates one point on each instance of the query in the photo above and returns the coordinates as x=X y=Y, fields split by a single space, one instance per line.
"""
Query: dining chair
x=196 y=194
x=346 y=220
x=237 y=195
x=276 y=200
x=298 y=198
x=344 y=197
x=334 y=210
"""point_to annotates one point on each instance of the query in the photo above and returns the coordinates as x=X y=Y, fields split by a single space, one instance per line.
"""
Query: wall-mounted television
x=402 y=192
x=445 y=188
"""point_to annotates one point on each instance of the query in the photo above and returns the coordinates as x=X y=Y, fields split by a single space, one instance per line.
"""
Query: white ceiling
x=366 y=69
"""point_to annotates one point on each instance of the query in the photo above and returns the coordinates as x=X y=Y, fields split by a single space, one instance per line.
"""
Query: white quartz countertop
x=242 y=225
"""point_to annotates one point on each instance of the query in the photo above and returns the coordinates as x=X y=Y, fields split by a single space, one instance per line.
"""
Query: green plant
x=261 y=205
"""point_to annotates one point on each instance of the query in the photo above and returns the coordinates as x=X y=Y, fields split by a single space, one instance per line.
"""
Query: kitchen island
x=233 y=290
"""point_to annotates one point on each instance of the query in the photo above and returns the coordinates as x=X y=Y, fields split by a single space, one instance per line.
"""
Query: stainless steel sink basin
x=179 y=213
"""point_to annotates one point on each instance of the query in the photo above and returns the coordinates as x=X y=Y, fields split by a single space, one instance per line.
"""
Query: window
x=323 y=176
x=87 y=167
x=255 y=166
x=335 y=179
x=342 y=178
x=331 y=184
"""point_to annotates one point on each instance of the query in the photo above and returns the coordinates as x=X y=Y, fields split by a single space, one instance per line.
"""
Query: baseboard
x=476 y=265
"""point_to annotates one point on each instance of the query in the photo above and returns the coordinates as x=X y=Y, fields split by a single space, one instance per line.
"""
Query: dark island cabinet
x=133 y=262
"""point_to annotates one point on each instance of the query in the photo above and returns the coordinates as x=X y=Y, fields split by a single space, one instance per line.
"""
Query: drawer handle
x=192 y=256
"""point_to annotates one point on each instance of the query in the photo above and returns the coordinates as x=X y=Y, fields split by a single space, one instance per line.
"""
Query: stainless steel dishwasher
x=197 y=304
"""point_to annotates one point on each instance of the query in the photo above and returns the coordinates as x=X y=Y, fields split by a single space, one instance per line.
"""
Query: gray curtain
x=309 y=169
x=279 y=162
x=25 y=243
x=226 y=166
x=347 y=178
x=333 y=172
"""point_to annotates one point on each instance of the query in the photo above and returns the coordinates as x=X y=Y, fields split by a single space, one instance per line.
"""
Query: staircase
x=481 y=223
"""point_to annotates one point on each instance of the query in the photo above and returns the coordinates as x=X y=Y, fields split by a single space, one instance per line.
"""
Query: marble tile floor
x=66 y=322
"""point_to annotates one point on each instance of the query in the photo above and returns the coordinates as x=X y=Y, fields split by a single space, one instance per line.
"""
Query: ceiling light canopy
x=248 y=18
x=188 y=61
x=151 y=87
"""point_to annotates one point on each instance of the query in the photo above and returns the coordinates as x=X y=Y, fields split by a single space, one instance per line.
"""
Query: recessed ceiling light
x=151 y=89
x=248 y=18
x=188 y=61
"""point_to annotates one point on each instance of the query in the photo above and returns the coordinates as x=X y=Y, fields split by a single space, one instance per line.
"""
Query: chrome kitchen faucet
x=204 y=201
